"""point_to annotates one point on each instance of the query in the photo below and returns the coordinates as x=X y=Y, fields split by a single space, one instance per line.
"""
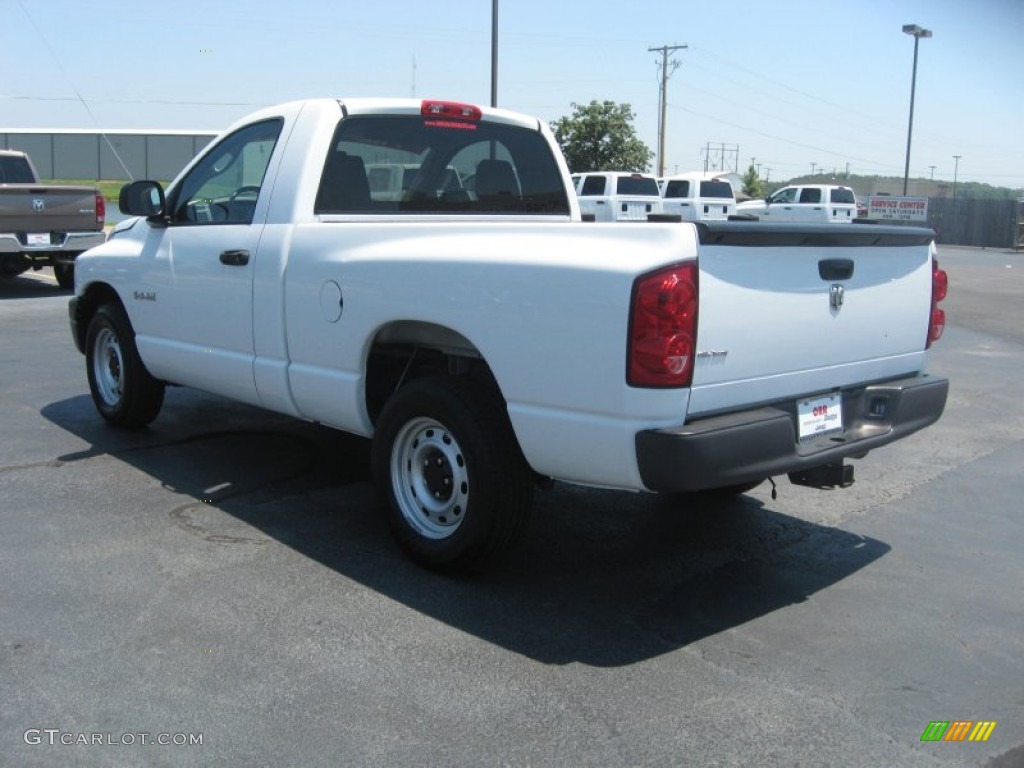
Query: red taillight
x=663 y=328
x=101 y=209
x=937 y=318
x=450 y=109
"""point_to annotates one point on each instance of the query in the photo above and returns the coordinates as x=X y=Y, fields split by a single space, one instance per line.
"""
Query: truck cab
x=617 y=195
x=698 y=197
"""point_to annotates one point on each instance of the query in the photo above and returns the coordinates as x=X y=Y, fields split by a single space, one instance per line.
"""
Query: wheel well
x=407 y=350
x=95 y=296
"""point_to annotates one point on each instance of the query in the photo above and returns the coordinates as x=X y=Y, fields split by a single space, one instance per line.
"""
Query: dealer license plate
x=819 y=415
x=38 y=239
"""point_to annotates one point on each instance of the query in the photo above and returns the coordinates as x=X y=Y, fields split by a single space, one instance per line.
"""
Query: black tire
x=65 y=274
x=124 y=392
x=455 y=488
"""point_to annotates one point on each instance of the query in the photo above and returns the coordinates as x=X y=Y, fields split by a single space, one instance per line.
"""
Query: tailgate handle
x=235 y=258
x=835 y=269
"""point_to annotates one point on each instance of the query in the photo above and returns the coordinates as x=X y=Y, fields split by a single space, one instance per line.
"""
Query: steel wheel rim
x=429 y=478
x=108 y=366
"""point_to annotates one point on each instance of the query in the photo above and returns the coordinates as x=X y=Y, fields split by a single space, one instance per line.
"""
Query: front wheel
x=124 y=392
x=455 y=486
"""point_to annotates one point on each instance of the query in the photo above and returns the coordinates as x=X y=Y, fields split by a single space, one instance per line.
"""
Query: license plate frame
x=819 y=415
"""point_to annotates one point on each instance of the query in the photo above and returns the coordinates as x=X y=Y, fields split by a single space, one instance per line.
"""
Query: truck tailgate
x=791 y=312
x=32 y=208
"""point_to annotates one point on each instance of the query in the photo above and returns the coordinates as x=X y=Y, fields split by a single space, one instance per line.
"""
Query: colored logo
x=958 y=730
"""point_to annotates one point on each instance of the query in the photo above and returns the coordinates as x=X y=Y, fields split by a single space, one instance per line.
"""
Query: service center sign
x=898 y=208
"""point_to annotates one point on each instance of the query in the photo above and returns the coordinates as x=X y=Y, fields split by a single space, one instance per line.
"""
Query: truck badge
x=835 y=297
x=38 y=204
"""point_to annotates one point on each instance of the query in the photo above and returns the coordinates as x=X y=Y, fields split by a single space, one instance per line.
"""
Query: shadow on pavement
x=28 y=287
x=603 y=578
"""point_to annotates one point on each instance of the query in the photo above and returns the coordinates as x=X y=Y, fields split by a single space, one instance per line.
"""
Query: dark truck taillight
x=663 y=328
x=101 y=209
x=937 y=318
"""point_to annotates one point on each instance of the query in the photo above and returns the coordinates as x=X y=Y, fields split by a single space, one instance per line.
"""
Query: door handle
x=235 y=258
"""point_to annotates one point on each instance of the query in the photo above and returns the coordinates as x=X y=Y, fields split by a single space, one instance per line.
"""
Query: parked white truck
x=483 y=338
x=807 y=203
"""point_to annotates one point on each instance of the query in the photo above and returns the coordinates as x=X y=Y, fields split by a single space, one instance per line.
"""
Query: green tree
x=752 y=183
x=600 y=136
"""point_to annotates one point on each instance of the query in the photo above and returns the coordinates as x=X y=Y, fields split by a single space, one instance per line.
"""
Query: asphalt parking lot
x=222 y=577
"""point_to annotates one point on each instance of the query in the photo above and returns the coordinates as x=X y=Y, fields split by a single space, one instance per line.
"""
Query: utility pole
x=813 y=166
x=664 y=50
x=933 y=167
x=956 y=169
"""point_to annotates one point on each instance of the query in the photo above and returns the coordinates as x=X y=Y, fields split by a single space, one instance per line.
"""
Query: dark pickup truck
x=44 y=224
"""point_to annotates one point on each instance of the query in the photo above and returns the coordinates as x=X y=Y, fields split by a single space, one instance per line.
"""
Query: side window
x=224 y=186
x=677 y=188
x=786 y=195
x=810 y=196
x=593 y=185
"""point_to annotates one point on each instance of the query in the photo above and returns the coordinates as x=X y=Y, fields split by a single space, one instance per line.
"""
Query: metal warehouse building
x=84 y=154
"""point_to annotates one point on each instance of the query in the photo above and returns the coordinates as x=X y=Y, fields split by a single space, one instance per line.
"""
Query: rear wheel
x=455 y=487
x=65 y=274
x=13 y=264
x=124 y=392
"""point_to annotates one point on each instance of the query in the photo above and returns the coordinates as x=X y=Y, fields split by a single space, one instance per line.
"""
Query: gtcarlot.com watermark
x=55 y=736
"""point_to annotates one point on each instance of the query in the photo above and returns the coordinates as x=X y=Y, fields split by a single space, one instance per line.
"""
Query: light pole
x=917 y=33
x=494 y=53
x=956 y=169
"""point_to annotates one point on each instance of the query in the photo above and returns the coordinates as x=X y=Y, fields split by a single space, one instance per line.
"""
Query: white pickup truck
x=485 y=339
x=808 y=203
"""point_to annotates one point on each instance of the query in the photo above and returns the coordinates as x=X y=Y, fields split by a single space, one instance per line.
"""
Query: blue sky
x=790 y=82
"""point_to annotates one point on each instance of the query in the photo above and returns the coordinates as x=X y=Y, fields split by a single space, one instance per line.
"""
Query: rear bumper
x=66 y=244
x=751 y=445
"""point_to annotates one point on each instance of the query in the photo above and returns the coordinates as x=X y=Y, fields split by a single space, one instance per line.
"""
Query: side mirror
x=768 y=200
x=142 y=198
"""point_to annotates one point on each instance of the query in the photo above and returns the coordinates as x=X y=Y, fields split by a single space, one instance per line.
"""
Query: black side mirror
x=768 y=200
x=142 y=198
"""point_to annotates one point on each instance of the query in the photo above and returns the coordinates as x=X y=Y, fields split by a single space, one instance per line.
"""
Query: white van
x=617 y=196
x=809 y=203
x=698 y=197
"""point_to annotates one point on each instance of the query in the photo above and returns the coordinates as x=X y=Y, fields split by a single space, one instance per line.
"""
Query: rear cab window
x=637 y=185
x=842 y=195
x=721 y=189
x=15 y=169
x=388 y=164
